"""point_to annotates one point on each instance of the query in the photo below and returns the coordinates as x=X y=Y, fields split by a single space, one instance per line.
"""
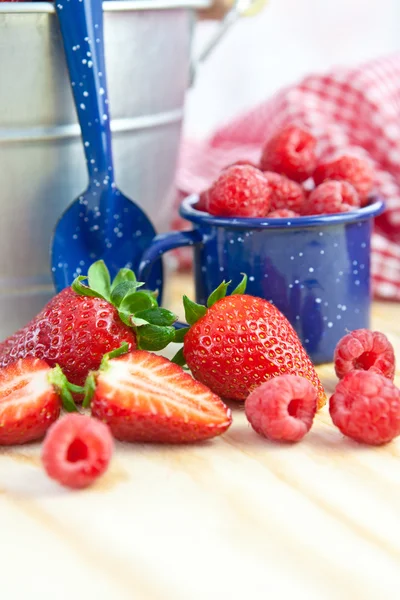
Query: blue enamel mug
x=315 y=269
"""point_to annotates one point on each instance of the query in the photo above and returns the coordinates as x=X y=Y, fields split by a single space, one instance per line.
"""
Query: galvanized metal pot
x=42 y=168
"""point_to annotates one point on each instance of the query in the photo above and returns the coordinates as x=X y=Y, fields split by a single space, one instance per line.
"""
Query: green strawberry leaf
x=193 y=311
x=90 y=388
x=179 y=359
x=135 y=302
x=125 y=317
x=157 y=316
x=154 y=337
x=90 y=383
x=218 y=293
x=137 y=322
x=84 y=290
x=99 y=279
x=241 y=288
x=61 y=384
x=121 y=290
x=122 y=276
x=75 y=389
x=122 y=349
x=180 y=334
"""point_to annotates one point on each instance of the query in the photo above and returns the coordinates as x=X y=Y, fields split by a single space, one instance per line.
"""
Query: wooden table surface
x=235 y=518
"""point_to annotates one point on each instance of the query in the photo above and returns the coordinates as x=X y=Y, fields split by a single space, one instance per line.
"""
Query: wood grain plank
x=237 y=517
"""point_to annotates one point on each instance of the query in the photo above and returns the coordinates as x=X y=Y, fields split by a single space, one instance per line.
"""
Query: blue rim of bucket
x=189 y=212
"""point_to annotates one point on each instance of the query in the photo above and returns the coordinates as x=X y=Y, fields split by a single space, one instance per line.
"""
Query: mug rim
x=187 y=211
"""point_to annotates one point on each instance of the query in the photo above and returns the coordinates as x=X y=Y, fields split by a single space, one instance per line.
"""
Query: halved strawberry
x=30 y=400
x=144 y=397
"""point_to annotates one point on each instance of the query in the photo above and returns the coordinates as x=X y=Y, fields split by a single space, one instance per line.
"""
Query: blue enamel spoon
x=101 y=223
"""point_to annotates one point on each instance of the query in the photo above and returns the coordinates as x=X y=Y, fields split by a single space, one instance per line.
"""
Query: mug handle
x=164 y=242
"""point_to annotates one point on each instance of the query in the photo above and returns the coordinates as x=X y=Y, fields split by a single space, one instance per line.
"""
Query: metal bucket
x=42 y=168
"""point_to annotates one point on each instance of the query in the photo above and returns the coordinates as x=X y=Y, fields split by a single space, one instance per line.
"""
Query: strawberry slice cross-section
x=31 y=397
x=29 y=403
x=143 y=397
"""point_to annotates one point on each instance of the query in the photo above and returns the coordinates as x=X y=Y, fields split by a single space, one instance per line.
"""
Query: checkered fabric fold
x=350 y=111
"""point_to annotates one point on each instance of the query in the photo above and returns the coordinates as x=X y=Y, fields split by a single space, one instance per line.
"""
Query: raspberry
x=282 y=213
x=282 y=408
x=77 y=449
x=366 y=407
x=240 y=191
x=290 y=152
x=285 y=193
x=364 y=350
x=354 y=170
x=331 y=197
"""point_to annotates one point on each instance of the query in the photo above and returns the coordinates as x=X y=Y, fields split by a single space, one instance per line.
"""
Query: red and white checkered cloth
x=354 y=111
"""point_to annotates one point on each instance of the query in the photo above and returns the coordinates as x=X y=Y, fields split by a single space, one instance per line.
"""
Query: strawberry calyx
x=64 y=388
x=137 y=308
x=90 y=383
x=194 y=312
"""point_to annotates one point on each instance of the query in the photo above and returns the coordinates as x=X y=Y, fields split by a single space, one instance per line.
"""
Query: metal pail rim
x=108 y=6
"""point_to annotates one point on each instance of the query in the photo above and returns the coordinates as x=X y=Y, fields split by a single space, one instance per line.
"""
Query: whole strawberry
x=240 y=341
x=82 y=323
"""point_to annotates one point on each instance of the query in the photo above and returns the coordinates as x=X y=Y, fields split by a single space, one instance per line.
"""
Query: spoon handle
x=81 y=23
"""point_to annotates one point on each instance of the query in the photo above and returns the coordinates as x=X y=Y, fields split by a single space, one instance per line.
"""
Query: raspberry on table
x=331 y=197
x=354 y=170
x=365 y=350
x=282 y=213
x=366 y=407
x=285 y=193
x=77 y=450
x=282 y=408
x=239 y=191
x=290 y=152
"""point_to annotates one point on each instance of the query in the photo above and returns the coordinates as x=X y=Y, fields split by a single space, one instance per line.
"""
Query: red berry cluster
x=279 y=186
x=365 y=405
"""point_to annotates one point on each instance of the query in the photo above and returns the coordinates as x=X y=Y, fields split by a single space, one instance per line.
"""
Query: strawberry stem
x=75 y=389
x=123 y=349
x=63 y=387
x=90 y=383
x=90 y=388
